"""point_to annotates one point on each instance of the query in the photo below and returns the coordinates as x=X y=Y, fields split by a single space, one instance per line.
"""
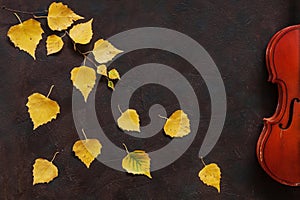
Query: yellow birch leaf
x=129 y=121
x=84 y=79
x=26 y=35
x=54 y=44
x=111 y=85
x=82 y=33
x=41 y=109
x=102 y=69
x=113 y=74
x=87 y=150
x=211 y=175
x=60 y=17
x=104 y=51
x=44 y=171
x=178 y=125
x=137 y=162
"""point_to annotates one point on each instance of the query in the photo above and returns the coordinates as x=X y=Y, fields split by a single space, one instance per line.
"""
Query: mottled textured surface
x=234 y=32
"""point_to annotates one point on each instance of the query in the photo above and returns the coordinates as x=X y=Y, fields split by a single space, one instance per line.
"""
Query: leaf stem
x=120 y=109
x=84 y=134
x=66 y=32
x=52 y=86
x=163 y=117
x=74 y=43
x=17 y=16
x=125 y=148
x=63 y=35
x=84 y=61
x=40 y=17
x=202 y=161
x=54 y=156
x=87 y=52
x=74 y=46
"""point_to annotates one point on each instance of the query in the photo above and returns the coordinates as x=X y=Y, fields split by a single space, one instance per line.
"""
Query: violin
x=278 y=147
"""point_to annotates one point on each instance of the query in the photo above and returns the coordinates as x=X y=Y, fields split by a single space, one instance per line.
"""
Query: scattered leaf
x=87 y=150
x=129 y=120
x=104 y=51
x=82 y=33
x=54 y=44
x=41 y=109
x=111 y=85
x=60 y=17
x=26 y=35
x=137 y=162
x=44 y=171
x=84 y=79
x=113 y=74
x=102 y=69
x=178 y=125
x=211 y=175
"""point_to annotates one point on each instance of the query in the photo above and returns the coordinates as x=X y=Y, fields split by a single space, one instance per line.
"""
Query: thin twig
x=95 y=64
x=87 y=52
x=84 y=54
x=18 y=11
x=52 y=86
x=26 y=12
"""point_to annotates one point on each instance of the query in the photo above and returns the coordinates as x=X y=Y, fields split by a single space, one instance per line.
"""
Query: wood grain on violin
x=278 y=147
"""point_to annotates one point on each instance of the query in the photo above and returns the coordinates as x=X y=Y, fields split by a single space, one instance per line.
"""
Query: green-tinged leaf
x=113 y=74
x=137 y=162
x=111 y=85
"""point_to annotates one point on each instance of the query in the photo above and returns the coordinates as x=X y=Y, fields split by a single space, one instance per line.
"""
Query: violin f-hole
x=278 y=153
x=291 y=114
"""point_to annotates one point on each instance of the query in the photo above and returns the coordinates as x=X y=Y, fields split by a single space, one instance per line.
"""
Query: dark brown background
x=234 y=32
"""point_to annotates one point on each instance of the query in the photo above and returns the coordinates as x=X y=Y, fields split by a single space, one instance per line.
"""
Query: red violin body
x=278 y=147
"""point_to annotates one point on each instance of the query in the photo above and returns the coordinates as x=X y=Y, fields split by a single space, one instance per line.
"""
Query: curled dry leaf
x=84 y=79
x=41 y=109
x=129 y=121
x=44 y=171
x=137 y=162
x=82 y=33
x=104 y=51
x=26 y=35
x=113 y=74
x=54 y=44
x=60 y=17
x=211 y=175
x=178 y=125
x=87 y=150
x=102 y=69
